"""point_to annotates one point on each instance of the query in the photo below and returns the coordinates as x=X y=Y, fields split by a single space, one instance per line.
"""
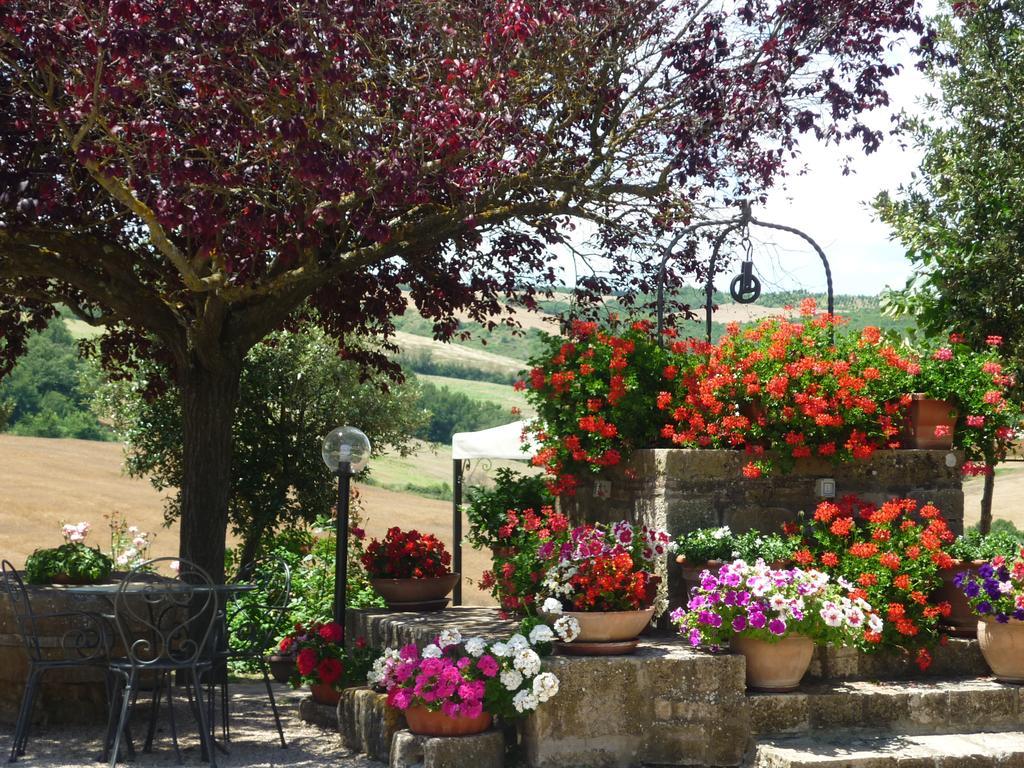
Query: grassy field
x=502 y=394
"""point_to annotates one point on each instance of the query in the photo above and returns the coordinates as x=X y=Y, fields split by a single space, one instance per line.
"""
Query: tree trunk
x=208 y=405
x=985 y=523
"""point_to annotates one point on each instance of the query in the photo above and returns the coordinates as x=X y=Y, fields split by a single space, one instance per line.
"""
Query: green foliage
x=488 y=506
x=974 y=545
x=705 y=544
x=74 y=561
x=49 y=391
x=295 y=388
x=452 y=412
x=772 y=548
x=961 y=217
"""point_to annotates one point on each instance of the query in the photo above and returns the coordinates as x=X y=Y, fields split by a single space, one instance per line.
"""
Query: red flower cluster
x=406 y=555
x=320 y=656
x=609 y=583
x=892 y=554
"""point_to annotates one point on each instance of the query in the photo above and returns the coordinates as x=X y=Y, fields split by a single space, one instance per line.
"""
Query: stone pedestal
x=368 y=725
x=322 y=715
x=483 y=750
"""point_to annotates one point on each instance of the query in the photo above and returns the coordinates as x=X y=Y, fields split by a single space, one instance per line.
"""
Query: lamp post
x=346 y=452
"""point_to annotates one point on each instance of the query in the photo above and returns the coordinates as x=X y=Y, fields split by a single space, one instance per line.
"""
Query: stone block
x=321 y=715
x=482 y=750
x=367 y=723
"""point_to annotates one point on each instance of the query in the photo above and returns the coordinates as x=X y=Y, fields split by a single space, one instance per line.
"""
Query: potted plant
x=968 y=553
x=703 y=549
x=774 y=618
x=602 y=576
x=891 y=556
x=488 y=508
x=774 y=549
x=323 y=663
x=515 y=573
x=456 y=686
x=410 y=569
x=71 y=563
x=996 y=593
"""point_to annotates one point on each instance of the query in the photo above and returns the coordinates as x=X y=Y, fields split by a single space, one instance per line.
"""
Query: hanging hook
x=745 y=288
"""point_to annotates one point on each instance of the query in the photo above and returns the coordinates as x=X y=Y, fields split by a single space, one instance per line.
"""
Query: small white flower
x=431 y=652
x=855 y=617
x=552 y=605
x=133 y=529
x=527 y=661
x=567 y=628
x=122 y=559
x=525 y=701
x=139 y=542
x=518 y=643
x=449 y=637
x=831 y=615
x=875 y=623
x=545 y=685
x=475 y=647
x=542 y=633
x=500 y=650
x=175 y=566
x=511 y=679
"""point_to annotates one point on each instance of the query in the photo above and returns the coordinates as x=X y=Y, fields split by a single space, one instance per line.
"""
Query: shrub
x=705 y=544
x=488 y=507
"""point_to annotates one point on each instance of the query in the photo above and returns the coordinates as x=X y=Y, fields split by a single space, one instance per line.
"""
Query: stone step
x=871 y=750
x=907 y=706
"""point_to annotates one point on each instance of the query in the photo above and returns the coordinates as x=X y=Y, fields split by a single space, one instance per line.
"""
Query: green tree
x=295 y=388
x=49 y=390
x=452 y=412
x=961 y=218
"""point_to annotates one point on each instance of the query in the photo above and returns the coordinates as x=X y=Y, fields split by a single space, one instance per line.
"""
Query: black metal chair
x=253 y=620
x=84 y=643
x=166 y=628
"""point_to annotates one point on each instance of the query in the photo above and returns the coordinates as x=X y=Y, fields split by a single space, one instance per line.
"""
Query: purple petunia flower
x=1002 y=618
x=972 y=589
x=1019 y=614
x=777 y=627
x=984 y=607
x=756 y=619
x=694 y=637
x=985 y=570
x=739 y=623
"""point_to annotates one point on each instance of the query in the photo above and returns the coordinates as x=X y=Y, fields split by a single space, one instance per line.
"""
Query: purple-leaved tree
x=189 y=174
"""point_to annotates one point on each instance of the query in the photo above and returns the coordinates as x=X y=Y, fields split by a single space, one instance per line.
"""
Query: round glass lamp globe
x=346 y=444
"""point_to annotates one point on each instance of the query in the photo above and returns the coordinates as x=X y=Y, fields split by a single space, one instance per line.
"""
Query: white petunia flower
x=431 y=652
x=567 y=628
x=542 y=633
x=527 y=661
x=525 y=701
x=500 y=650
x=476 y=646
x=518 y=643
x=545 y=685
x=449 y=637
x=875 y=623
x=511 y=679
x=552 y=605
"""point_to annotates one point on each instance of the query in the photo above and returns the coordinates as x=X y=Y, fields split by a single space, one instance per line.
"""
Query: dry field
x=44 y=482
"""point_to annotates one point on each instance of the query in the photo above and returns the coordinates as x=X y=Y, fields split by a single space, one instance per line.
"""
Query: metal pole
x=341 y=543
x=457 y=529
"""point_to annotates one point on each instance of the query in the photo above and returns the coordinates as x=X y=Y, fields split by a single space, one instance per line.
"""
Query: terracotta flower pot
x=962 y=620
x=324 y=694
x=775 y=666
x=691 y=578
x=502 y=553
x=281 y=667
x=415 y=590
x=1002 y=645
x=610 y=626
x=923 y=416
x=426 y=723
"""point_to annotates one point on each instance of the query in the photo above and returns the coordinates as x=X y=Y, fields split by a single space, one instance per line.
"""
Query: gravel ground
x=254 y=739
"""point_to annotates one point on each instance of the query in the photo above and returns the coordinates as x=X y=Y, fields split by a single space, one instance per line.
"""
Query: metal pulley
x=745 y=288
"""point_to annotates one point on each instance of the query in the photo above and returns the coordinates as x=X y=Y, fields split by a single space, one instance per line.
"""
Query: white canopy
x=504 y=442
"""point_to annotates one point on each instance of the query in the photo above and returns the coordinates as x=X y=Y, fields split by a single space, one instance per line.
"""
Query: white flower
x=518 y=643
x=1005 y=586
x=500 y=650
x=552 y=605
x=567 y=628
x=527 y=661
x=831 y=614
x=545 y=685
x=721 y=533
x=122 y=559
x=875 y=623
x=525 y=701
x=133 y=529
x=475 y=647
x=449 y=637
x=855 y=617
x=778 y=602
x=139 y=542
x=431 y=652
x=511 y=679
x=175 y=566
x=541 y=634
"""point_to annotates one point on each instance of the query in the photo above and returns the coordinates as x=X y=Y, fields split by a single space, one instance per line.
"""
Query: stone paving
x=254 y=742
